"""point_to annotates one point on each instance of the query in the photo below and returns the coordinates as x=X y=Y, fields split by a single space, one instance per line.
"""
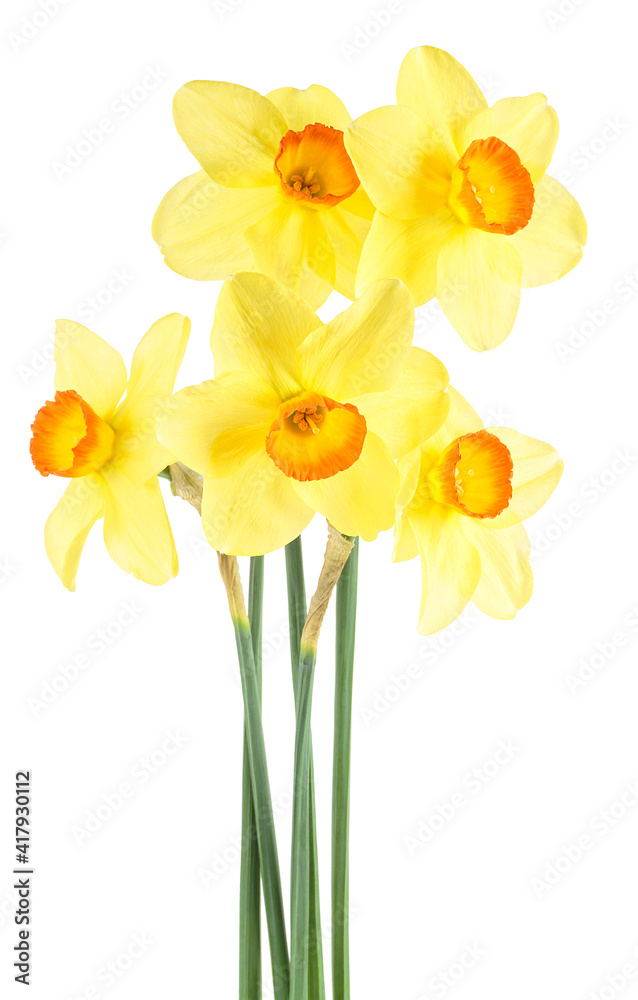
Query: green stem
x=302 y=946
x=297 y=609
x=346 y=621
x=262 y=800
x=250 y=879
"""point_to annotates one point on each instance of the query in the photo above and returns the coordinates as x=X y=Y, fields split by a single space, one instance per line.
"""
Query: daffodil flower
x=465 y=210
x=463 y=496
x=277 y=191
x=110 y=452
x=304 y=417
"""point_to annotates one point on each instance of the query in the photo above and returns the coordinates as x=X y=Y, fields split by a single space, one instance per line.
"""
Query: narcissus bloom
x=277 y=192
x=466 y=211
x=463 y=496
x=110 y=452
x=304 y=417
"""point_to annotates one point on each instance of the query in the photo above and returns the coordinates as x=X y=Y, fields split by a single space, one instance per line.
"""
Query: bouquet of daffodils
x=438 y=195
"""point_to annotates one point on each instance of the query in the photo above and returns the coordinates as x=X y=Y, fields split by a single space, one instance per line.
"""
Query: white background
x=415 y=909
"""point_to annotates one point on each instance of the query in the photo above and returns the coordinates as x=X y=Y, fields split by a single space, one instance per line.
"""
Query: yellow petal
x=138 y=452
x=479 y=286
x=413 y=409
x=347 y=233
x=364 y=348
x=407 y=249
x=405 y=544
x=86 y=363
x=360 y=500
x=233 y=131
x=305 y=107
x=217 y=426
x=137 y=533
x=68 y=526
x=527 y=124
x=450 y=565
x=156 y=360
x=537 y=471
x=200 y=226
x=461 y=419
x=291 y=245
x=552 y=242
x=506 y=576
x=259 y=324
x=399 y=162
x=442 y=92
x=409 y=466
x=254 y=511
x=358 y=204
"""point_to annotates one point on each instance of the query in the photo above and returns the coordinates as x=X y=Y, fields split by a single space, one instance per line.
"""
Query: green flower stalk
x=337 y=552
x=297 y=610
x=262 y=798
x=250 y=877
x=346 y=624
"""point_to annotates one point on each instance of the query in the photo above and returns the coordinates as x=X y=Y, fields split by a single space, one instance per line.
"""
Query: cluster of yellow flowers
x=438 y=195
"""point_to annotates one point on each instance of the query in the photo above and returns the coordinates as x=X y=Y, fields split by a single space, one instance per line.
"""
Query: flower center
x=69 y=439
x=314 y=437
x=314 y=167
x=491 y=189
x=474 y=474
x=306 y=183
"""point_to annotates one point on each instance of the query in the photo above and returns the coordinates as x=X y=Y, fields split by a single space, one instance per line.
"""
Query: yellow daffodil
x=463 y=496
x=277 y=191
x=109 y=452
x=304 y=417
x=465 y=210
